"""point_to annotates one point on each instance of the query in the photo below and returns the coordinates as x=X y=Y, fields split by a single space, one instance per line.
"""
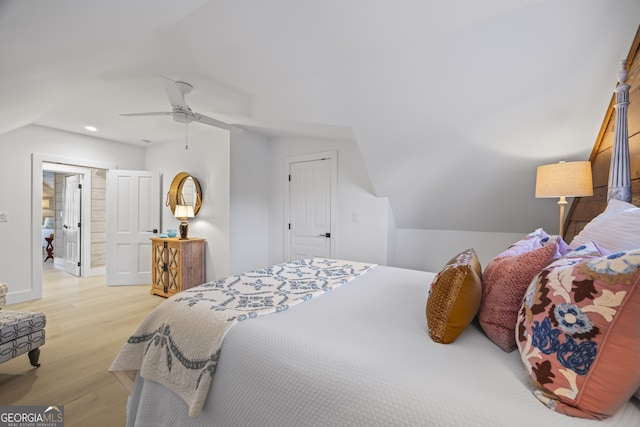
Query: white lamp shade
x=564 y=179
x=184 y=211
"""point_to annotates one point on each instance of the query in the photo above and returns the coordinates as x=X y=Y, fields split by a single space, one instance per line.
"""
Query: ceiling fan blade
x=176 y=96
x=160 y=113
x=214 y=122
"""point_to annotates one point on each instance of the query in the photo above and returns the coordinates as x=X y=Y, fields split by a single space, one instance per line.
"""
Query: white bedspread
x=178 y=344
x=361 y=356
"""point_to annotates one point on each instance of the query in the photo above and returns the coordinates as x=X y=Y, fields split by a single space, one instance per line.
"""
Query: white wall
x=18 y=242
x=374 y=238
x=364 y=240
x=207 y=159
x=392 y=237
x=429 y=250
x=249 y=217
x=242 y=210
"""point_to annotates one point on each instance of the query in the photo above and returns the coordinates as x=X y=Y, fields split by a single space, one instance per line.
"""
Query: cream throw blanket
x=179 y=343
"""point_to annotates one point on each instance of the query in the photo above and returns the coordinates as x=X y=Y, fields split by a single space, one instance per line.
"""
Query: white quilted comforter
x=178 y=344
x=361 y=356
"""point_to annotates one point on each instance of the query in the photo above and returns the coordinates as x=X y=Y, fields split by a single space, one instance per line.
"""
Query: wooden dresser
x=176 y=265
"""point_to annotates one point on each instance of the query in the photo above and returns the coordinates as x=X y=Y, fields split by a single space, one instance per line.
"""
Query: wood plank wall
x=586 y=208
x=98 y=218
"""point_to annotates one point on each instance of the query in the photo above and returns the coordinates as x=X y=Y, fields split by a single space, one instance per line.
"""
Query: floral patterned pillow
x=578 y=333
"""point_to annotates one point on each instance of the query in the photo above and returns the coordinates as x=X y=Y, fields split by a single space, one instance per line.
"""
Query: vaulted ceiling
x=452 y=104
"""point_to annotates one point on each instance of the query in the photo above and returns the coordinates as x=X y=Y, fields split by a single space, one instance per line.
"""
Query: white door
x=310 y=209
x=133 y=217
x=71 y=223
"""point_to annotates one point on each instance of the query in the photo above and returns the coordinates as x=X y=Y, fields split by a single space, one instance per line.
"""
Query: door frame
x=85 y=206
x=332 y=158
x=37 y=161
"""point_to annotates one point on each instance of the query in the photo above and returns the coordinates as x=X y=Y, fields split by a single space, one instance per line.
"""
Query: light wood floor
x=87 y=324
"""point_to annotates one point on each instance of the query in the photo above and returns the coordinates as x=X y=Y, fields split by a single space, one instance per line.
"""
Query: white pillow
x=616 y=229
x=48 y=222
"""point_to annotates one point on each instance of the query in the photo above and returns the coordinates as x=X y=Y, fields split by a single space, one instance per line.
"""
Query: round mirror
x=184 y=190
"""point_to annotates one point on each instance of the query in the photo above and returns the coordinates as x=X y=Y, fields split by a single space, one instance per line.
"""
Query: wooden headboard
x=584 y=209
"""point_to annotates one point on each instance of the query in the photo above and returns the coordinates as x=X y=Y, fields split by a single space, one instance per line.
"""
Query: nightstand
x=176 y=265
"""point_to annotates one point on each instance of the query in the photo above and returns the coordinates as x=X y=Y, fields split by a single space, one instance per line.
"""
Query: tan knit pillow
x=454 y=297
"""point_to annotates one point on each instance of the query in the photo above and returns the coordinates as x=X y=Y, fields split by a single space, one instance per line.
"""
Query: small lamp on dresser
x=184 y=212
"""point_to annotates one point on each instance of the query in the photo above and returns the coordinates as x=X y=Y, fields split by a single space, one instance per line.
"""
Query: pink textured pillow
x=505 y=280
x=579 y=334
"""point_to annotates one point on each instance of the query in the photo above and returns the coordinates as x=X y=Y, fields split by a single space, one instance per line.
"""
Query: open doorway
x=92 y=247
x=73 y=210
x=89 y=173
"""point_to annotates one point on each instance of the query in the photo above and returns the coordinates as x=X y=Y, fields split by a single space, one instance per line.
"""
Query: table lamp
x=564 y=179
x=183 y=212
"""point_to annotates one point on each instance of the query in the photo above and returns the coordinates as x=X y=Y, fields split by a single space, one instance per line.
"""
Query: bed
x=356 y=349
x=47 y=230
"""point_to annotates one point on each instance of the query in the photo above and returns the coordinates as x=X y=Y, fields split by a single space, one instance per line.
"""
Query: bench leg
x=34 y=356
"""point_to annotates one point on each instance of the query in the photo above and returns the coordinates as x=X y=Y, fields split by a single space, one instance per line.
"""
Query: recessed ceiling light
x=91 y=128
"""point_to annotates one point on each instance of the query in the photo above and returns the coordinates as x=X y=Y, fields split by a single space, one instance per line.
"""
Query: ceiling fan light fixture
x=181 y=112
x=184 y=87
x=182 y=116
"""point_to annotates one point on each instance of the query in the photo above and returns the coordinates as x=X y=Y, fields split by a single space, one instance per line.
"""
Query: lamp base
x=562 y=203
x=184 y=228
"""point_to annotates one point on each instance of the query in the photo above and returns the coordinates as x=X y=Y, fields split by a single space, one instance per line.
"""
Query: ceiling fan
x=181 y=112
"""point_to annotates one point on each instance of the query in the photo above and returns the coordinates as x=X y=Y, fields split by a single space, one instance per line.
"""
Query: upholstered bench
x=20 y=332
x=3 y=293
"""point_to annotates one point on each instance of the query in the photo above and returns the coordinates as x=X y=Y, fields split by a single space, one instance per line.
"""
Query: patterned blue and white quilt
x=179 y=343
